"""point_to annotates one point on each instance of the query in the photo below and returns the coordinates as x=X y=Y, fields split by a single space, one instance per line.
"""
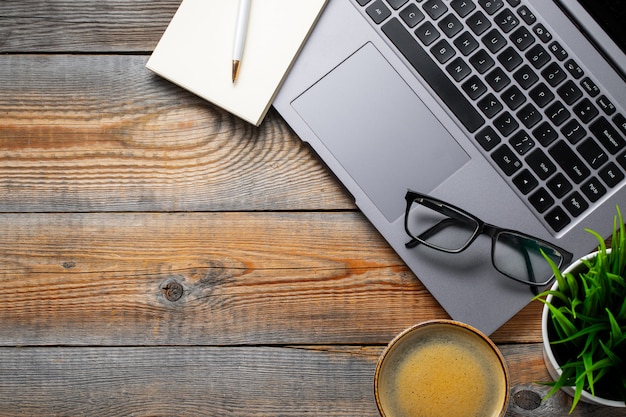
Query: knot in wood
x=173 y=291
x=527 y=399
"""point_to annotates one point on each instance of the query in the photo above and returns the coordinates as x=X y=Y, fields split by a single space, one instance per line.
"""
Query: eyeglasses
x=442 y=226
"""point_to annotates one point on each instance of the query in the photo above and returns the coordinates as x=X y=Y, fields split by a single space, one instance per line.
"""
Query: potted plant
x=584 y=324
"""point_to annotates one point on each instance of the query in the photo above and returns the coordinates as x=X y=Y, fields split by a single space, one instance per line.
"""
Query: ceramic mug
x=441 y=368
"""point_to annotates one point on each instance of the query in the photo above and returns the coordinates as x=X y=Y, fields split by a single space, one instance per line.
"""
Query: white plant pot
x=553 y=367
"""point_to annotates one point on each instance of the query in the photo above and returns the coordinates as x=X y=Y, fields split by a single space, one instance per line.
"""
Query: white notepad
x=195 y=51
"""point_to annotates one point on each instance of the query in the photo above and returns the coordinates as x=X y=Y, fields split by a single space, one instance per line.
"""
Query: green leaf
x=616 y=331
x=563 y=322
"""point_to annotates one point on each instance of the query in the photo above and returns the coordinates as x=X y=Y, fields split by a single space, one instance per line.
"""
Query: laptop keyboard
x=545 y=123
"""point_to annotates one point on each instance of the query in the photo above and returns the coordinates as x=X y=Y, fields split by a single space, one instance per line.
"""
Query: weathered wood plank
x=244 y=278
x=228 y=381
x=102 y=133
x=51 y=26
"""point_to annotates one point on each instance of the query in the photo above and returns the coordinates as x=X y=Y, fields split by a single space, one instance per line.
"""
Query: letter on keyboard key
x=434 y=76
x=506 y=124
x=506 y=160
x=607 y=135
x=569 y=161
x=593 y=189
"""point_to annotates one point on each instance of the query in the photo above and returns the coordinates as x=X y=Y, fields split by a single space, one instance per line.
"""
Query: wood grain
x=228 y=381
x=102 y=133
x=52 y=26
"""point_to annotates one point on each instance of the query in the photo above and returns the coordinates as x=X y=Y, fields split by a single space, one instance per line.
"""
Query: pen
x=240 y=35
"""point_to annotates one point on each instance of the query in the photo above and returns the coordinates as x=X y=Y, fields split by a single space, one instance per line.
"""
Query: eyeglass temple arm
x=430 y=232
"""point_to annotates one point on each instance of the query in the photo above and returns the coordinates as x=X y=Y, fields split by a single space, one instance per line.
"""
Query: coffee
x=441 y=370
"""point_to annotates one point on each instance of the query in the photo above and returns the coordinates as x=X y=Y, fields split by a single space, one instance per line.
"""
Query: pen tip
x=236 y=64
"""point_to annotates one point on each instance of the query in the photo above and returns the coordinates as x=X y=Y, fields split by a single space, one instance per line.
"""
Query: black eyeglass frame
x=481 y=228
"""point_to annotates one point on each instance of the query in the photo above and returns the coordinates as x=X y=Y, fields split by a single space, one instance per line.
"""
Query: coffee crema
x=442 y=371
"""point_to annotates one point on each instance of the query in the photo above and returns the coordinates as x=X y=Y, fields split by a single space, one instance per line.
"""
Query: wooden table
x=161 y=257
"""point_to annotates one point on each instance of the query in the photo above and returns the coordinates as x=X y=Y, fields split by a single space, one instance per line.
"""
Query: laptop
x=512 y=110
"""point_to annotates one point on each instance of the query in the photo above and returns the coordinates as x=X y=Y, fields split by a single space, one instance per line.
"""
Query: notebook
x=513 y=110
x=196 y=49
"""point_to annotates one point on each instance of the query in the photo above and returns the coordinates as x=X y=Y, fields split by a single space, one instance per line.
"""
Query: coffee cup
x=441 y=368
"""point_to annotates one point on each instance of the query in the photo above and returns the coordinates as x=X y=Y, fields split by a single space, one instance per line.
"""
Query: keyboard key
x=514 y=3
x=573 y=131
x=427 y=33
x=574 y=69
x=450 y=25
x=412 y=15
x=510 y=59
x=540 y=164
x=521 y=142
x=557 y=113
x=526 y=15
x=488 y=138
x=506 y=20
x=435 y=8
x=557 y=219
x=396 y=4
x=590 y=87
x=541 y=200
x=586 y=110
x=541 y=95
x=605 y=104
x=553 y=74
x=620 y=121
x=442 y=51
x=529 y=115
x=513 y=97
x=497 y=79
x=466 y=43
x=463 y=7
x=559 y=185
x=538 y=56
x=478 y=23
x=458 y=69
x=575 y=204
x=593 y=153
x=526 y=77
x=569 y=92
x=474 y=87
x=494 y=41
x=622 y=160
x=545 y=134
x=490 y=106
x=593 y=189
x=378 y=11
x=611 y=175
x=525 y=181
x=558 y=51
x=542 y=33
x=506 y=160
x=522 y=38
x=433 y=75
x=506 y=124
x=572 y=165
x=482 y=61
x=491 y=6
x=607 y=135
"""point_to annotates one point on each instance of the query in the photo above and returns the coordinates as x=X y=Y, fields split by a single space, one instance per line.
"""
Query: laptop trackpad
x=379 y=130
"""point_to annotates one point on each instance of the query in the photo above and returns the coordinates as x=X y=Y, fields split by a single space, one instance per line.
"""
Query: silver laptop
x=510 y=111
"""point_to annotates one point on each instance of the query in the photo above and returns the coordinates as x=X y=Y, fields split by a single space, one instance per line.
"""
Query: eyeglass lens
x=440 y=226
x=521 y=258
x=443 y=227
